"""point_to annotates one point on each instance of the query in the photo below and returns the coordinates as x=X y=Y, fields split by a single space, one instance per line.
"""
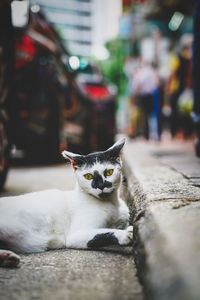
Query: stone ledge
x=166 y=221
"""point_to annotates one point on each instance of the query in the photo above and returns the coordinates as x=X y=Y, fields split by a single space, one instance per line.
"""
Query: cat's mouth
x=105 y=195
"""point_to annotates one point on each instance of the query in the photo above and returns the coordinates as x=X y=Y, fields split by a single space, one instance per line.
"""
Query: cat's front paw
x=126 y=236
x=9 y=259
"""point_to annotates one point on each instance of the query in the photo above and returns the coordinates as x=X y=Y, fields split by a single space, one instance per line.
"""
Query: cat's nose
x=104 y=184
x=97 y=181
x=101 y=185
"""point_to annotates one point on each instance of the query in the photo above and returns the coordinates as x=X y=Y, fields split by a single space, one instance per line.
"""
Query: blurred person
x=196 y=74
x=135 y=118
x=145 y=85
x=135 y=122
x=178 y=88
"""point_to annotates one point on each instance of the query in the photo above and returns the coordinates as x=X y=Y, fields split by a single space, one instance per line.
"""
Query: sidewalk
x=66 y=274
x=164 y=187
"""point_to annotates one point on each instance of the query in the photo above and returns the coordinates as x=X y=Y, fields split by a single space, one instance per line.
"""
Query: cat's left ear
x=75 y=159
x=115 y=150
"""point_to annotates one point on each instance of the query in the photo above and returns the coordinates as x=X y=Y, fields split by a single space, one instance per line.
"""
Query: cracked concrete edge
x=165 y=212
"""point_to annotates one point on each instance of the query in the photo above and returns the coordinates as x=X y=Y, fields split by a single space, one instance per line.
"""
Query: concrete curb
x=166 y=218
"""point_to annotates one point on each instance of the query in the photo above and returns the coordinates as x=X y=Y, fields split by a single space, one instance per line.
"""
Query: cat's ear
x=75 y=159
x=115 y=150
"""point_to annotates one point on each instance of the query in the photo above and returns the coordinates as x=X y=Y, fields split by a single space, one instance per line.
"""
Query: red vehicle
x=55 y=108
x=102 y=106
x=46 y=96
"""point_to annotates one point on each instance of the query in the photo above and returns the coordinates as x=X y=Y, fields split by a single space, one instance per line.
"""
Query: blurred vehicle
x=46 y=97
x=6 y=71
x=55 y=107
x=102 y=104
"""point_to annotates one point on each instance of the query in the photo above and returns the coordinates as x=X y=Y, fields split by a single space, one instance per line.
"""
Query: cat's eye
x=108 y=172
x=88 y=176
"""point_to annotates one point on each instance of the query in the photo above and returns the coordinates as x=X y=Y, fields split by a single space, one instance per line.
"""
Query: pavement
x=163 y=192
x=72 y=274
x=66 y=274
x=163 y=189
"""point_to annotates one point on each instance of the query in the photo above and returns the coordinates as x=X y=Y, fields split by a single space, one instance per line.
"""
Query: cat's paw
x=126 y=236
x=9 y=259
x=129 y=229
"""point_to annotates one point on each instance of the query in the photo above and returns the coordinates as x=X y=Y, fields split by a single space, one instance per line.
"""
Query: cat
x=89 y=217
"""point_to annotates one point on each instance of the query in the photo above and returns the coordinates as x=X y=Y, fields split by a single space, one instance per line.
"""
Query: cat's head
x=98 y=173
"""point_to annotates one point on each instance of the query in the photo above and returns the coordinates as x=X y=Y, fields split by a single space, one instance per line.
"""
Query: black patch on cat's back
x=102 y=240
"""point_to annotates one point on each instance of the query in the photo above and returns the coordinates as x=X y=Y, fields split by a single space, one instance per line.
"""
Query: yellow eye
x=88 y=176
x=108 y=172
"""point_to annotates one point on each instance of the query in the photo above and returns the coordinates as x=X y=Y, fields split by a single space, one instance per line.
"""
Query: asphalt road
x=66 y=274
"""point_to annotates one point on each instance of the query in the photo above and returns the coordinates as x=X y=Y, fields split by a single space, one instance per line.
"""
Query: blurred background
x=74 y=73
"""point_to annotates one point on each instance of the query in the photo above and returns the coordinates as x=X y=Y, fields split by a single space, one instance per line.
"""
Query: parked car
x=102 y=106
x=55 y=108
x=46 y=96
x=6 y=71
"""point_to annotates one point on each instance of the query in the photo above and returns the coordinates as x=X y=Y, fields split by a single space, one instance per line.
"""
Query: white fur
x=53 y=219
x=85 y=185
x=56 y=219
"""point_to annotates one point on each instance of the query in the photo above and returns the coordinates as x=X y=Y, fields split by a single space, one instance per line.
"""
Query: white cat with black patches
x=89 y=217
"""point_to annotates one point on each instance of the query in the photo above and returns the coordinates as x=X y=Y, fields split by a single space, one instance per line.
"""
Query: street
x=28 y=179
x=65 y=274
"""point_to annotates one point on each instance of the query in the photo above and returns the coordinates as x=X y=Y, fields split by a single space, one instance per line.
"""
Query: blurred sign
x=129 y=3
x=125 y=26
x=19 y=12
